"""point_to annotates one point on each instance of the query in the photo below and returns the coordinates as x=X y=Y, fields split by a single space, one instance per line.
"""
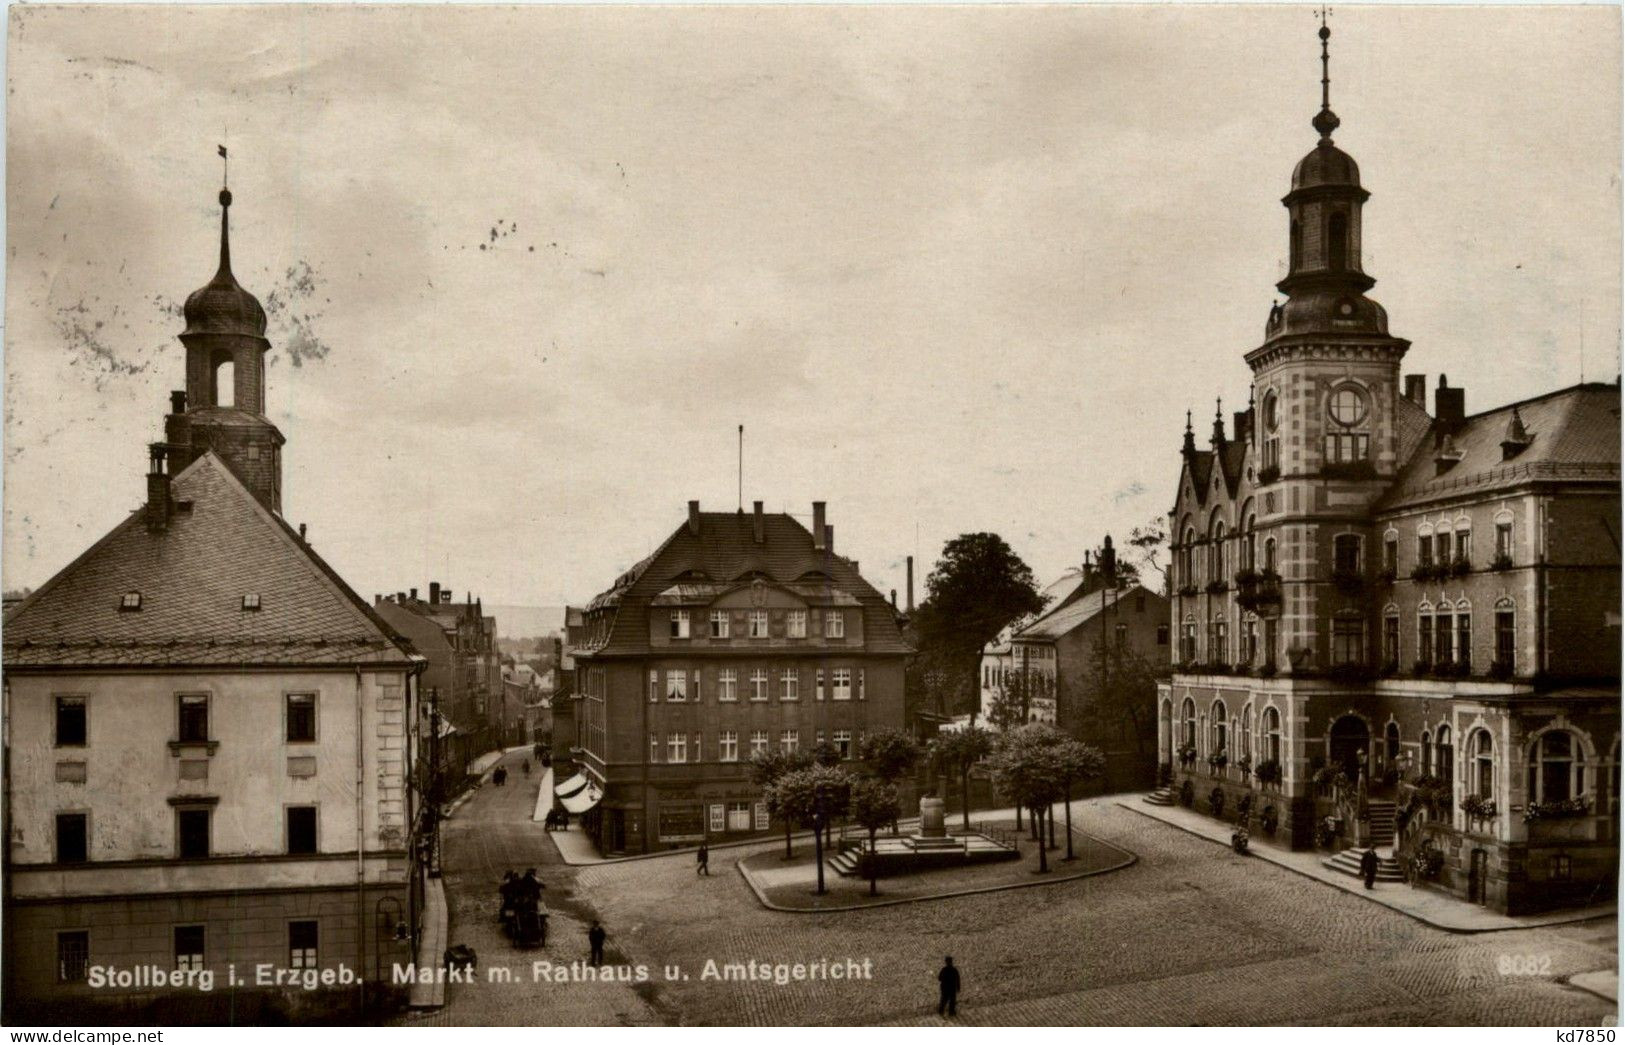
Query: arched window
x=1506 y=640
x=1464 y=636
x=1216 y=552
x=1445 y=755
x=1188 y=713
x=1272 y=435
x=1483 y=749
x=225 y=382
x=1247 y=731
x=1424 y=636
x=1556 y=767
x=1272 y=734
x=1218 y=639
x=1219 y=727
x=1427 y=753
x=1337 y=242
x=1390 y=743
x=1269 y=555
x=1250 y=546
x=1187 y=557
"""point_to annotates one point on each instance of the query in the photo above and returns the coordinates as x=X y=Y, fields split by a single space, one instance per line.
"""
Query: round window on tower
x=1272 y=417
x=1348 y=406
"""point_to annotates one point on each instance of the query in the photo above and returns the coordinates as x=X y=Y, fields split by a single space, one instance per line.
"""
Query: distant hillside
x=523 y=622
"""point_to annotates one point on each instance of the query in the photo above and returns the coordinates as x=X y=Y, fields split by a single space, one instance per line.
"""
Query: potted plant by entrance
x=1215 y=801
x=1187 y=794
x=1270 y=821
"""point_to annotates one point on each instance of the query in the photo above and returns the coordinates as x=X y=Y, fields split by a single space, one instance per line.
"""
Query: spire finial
x=225 y=209
x=1325 y=121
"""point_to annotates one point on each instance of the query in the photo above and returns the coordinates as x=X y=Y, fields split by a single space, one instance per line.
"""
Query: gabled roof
x=1575 y=437
x=726 y=547
x=1063 y=621
x=192 y=577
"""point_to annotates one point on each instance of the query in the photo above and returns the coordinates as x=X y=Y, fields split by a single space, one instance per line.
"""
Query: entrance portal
x=1350 y=745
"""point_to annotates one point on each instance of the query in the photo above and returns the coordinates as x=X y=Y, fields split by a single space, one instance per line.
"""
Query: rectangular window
x=679 y=624
x=1271 y=631
x=301 y=830
x=1187 y=642
x=790 y=684
x=192 y=829
x=72 y=838
x=1503 y=539
x=302 y=937
x=842 y=738
x=1441 y=549
x=789 y=741
x=728 y=746
x=758 y=684
x=1464 y=546
x=1441 y=637
x=1424 y=550
x=1348 y=641
x=677 y=747
x=758 y=624
x=739 y=816
x=301 y=718
x=834 y=624
x=1505 y=640
x=727 y=685
x=654 y=685
x=719 y=624
x=1162 y=634
x=193 y=712
x=1250 y=648
x=1390 y=642
x=1346 y=553
x=840 y=684
x=70 y=722
x=654 y=747
x=188 y=947
x=677 y=685
x=717 y=818
x=1424 y=639
x=758 y=742
x=796 y=624
x=1390 y=555
x=1464 y=640
x=72 y=956
x=1347 y=447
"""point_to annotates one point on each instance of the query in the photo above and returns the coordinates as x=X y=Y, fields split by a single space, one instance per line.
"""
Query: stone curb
x=762 y=899
x=1457 y=929
x=798 y=836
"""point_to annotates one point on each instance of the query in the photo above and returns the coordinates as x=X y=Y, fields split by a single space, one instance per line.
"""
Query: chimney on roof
x=1108 y=562
x=177 y=402
x=910 y=603
x=894 y=598
x=1416 y=389
x=400 y=597
x=756 y=522
x=819 y=534
x=1243 y=425
x=1449 y=405
x=414 y=595
x=158 y=503
x=434 y=592
x=694 y=518
x=301 y=531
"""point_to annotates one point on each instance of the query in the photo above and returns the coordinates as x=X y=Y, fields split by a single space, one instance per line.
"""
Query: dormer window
x=130 y=602
x=251 y=602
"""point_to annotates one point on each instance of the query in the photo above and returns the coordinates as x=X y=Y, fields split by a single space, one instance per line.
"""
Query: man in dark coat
x=948 y=982
x=703 y=861
x=595 y=939
x=1368 y=868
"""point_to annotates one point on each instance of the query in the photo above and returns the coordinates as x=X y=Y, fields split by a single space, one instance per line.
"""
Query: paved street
x=1189 y=935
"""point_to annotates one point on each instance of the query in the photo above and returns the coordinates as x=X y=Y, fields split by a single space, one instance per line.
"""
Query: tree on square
x=958 y=752
x=812 y=797
x=873 y=805
x=766 y=767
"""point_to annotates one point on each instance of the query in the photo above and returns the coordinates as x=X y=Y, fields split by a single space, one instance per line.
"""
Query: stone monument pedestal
x=933 y=833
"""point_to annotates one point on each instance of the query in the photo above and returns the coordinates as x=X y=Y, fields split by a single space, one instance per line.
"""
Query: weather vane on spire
x=1325 y=121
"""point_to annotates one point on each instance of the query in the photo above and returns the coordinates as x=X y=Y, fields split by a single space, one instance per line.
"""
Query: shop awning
x=578 y=794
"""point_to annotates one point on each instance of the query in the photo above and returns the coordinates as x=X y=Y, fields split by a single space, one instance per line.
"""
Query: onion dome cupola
x=223 y=407
x=1325 y=283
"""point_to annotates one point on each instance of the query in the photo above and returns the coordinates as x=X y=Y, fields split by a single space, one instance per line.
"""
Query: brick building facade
x=1421 y=608
x=741 y=633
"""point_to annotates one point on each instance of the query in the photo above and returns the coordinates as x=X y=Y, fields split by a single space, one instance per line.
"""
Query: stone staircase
x=844 y=863
x=1348 y=862
x=1162 y=796
x=1382 y=823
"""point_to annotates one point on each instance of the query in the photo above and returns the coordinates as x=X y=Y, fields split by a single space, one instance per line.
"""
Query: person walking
x=595 y=939
x=948 y=983
x=703 y=861
x=1368 y=867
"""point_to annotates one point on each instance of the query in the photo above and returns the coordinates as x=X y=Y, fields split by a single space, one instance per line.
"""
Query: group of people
x=521 y=908
x=556 y=820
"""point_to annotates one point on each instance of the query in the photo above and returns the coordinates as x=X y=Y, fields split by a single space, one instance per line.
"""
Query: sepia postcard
x=769 y=515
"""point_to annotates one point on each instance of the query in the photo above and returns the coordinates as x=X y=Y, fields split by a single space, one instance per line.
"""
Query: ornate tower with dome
x=225 y=335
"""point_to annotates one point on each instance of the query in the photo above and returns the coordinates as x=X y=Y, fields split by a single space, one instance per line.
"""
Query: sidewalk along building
x=209 y=733
x=463 y=676
x=741 y=633
x=1421 y=608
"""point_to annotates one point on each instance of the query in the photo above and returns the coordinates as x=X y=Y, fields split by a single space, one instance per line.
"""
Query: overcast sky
x=954 y=269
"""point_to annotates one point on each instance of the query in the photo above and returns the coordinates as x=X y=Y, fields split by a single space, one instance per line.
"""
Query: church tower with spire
x=225 y=328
